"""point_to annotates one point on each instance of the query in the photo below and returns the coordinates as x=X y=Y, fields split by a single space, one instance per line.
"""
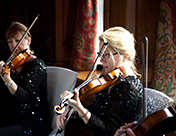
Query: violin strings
x=71 y=94
x=83 y=84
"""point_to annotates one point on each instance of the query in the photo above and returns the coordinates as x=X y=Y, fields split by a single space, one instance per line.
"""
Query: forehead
x=109 y=48
x=15 y=35
x=101 y=45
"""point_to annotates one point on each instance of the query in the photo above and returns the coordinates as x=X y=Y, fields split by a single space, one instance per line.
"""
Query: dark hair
x=16 y=27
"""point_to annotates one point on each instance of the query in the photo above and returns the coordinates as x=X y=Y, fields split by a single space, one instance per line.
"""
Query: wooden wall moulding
x=42 y=31
x=140 y=18
x=65 y=19
x=120 y=13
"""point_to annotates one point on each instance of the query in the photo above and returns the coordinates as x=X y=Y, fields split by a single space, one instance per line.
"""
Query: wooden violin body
x=158 y=123
x=17 y=61
x=99 y=84
x=90 y=87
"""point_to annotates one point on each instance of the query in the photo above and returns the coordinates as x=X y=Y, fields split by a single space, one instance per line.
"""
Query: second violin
x=92 y=86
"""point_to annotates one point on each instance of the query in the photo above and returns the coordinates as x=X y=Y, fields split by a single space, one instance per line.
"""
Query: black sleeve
x=124 y=105
x=30 y=81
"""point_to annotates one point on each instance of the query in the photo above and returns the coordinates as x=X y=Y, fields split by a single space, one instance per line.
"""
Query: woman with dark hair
x=25 y=109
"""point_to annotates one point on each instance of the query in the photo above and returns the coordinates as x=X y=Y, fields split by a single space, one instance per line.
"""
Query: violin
x=90 y=87
x=157 y=124
x=16 y=61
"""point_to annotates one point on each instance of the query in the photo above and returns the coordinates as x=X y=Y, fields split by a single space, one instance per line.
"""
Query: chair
x=58 y=80
x=155 y=100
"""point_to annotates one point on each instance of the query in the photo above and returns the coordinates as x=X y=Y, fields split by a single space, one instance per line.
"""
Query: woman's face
x=108 y=63
x=12 y=42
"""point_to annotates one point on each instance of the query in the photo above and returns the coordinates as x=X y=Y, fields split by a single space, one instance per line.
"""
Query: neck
x=126 y=70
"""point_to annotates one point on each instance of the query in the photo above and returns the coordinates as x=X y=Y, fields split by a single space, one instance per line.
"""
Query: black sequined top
x=123 y=104
x=31 y=99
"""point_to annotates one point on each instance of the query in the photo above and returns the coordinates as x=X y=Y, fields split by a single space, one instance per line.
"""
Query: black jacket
x=29 y=106
x=123 y=104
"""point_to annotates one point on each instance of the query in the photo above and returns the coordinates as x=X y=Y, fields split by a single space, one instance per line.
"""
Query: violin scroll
x=59 y=109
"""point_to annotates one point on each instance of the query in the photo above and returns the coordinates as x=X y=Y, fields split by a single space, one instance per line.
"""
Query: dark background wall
x=25 y=11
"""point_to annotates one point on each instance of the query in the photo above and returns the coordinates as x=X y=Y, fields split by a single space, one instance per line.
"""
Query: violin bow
x=102 y=50
x=145 y=40
x=11 y=56
x=71 y=109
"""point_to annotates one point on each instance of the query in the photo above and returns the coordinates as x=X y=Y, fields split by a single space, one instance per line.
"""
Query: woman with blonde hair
x=121 y=102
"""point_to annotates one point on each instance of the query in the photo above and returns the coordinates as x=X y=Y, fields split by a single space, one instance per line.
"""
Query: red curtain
x=85 y=37
x=164 y=78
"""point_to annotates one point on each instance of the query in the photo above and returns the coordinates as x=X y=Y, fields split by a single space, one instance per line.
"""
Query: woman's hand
x=77 y=105
x=5 y=73
x=61 y=120
x=1 y=65
x=74 y=101
x=129 y=132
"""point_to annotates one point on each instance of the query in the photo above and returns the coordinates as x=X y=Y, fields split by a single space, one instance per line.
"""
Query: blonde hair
x=122 y=41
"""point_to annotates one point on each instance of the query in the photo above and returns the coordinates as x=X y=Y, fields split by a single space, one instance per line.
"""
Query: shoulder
x=39 y=62
x=132 y=79
x=37 y=65
x=129 y=84
x=135 y=85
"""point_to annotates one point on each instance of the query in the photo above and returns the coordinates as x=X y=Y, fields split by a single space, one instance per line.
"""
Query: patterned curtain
x=85 y=37
x=164 y=78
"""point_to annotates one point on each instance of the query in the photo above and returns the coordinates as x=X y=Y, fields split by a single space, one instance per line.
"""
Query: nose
x=102 y=59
